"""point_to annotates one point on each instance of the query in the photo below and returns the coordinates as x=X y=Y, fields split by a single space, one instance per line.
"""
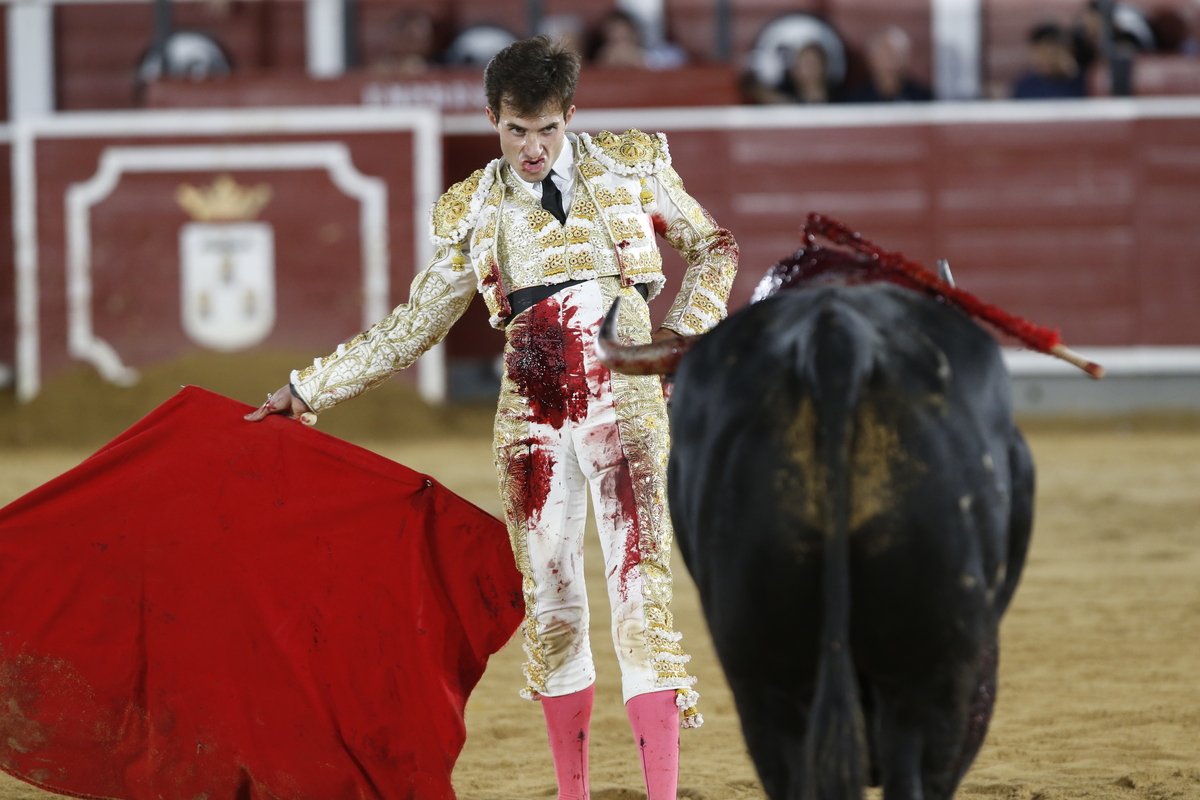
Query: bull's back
x=928 y=473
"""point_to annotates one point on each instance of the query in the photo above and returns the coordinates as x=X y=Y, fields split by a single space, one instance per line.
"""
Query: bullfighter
x=550 y=234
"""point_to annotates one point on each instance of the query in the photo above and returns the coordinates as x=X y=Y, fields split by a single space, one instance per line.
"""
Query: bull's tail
x=835 y=744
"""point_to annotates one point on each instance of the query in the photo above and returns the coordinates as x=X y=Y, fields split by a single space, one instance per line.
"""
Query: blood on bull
x=854 y=501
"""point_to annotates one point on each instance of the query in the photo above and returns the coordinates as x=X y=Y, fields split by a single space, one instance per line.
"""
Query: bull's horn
x=944 y=271
x=657 y=358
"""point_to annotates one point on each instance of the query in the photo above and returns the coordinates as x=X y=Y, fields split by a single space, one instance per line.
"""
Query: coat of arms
x=228 y=265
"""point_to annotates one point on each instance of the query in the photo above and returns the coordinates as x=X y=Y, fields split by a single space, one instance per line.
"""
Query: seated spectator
x=797 y=58
x=888 y=55
x=806 y=79
x=1053 y=72
x=186 y=54
x=408 y=47
x=1105 y=48
x=1131 y=34
x=618 y=43
x=1172 y=31
x=1085 y=37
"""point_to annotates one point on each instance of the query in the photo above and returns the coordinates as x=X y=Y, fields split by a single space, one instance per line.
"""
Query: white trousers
x=566 y=425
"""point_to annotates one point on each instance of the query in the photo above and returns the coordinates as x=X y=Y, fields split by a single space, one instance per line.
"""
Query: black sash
x=530 y=296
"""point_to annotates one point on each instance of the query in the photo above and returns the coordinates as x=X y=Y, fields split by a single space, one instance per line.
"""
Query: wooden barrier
x=1077 y=215
x=143 y=237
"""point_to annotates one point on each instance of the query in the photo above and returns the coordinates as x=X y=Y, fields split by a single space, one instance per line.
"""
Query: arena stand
x=1077 y=215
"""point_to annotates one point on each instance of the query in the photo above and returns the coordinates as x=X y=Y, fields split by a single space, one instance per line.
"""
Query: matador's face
x=531 y=144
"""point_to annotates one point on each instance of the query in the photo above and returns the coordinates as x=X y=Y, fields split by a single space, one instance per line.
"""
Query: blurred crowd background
x=779 y=51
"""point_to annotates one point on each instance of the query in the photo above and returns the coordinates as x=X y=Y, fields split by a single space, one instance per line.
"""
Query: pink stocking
x=567 y=721
x=654 y=718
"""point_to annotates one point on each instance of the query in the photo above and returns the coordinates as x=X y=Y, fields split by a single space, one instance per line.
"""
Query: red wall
x=1166 y=229
x=1091 y=227
x=99 y=45
x=1087 y=226
x=135 y=247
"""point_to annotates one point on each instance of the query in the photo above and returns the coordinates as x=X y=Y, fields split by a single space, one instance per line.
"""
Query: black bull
x=854 y=501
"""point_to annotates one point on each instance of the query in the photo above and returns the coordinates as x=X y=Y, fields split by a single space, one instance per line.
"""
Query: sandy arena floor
x=1100 y=670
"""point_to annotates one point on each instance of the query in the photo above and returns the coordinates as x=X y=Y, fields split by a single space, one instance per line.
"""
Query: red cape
x=211 y=608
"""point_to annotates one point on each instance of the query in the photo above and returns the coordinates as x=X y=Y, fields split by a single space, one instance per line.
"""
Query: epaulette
x=455 y=212
x=632 y=153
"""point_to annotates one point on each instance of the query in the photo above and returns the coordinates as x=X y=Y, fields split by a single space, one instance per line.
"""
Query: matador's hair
x=531 y=74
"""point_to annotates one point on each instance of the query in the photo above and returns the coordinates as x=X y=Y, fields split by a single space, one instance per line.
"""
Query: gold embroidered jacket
x=493 y=237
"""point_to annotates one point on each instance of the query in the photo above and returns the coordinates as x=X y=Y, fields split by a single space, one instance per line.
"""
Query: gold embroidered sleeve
x=710 y=251
x=438 y=297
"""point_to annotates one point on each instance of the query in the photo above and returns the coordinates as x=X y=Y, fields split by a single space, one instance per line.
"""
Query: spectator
x=1109 y=36
x=409 y=45
x=1172 y=32
x=618 y=43
x=1053 y=73
x=1086 y=36
x=806 y=79
x=1131 y=33
x=888 y=55
x=185 y=54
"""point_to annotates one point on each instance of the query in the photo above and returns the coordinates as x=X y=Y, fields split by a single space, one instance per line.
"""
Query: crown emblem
x=224 y=200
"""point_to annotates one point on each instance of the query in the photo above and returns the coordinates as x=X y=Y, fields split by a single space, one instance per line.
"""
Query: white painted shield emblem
x=228 y=283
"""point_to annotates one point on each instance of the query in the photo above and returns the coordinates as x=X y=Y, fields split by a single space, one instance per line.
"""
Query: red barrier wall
x=136 y=250
x=1080 y=216
x=1090 y=226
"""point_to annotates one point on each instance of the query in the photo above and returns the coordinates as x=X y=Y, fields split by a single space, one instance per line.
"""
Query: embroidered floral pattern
x=607 y=199
x=454 y=214
x=711 y=253
x=632 y=153
x=514 y=243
